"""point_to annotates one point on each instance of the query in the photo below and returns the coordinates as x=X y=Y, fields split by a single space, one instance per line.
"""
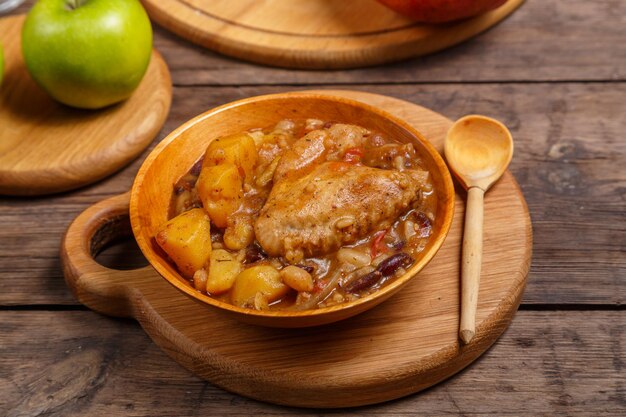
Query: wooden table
x=554 y=72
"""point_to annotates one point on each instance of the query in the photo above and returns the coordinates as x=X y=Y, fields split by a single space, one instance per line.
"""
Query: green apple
x=87 y=53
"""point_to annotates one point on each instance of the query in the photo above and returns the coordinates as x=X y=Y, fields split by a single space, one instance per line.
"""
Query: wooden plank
x=80 y=363
x=566 y=136
x=547 y=40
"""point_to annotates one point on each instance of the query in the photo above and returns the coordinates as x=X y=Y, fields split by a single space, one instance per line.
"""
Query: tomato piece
x=378 y=245
x=319 y=286
x=353 y=155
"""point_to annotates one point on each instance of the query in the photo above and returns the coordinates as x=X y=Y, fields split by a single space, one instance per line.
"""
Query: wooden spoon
x=478 y=150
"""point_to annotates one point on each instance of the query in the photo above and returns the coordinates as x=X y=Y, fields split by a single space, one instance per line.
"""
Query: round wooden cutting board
x=404 y=345
x=46 y=147
x=313 y=34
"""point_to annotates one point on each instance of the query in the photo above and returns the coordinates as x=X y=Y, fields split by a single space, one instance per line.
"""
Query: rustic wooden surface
x=46 y=147
x=313 y=34
x=553 y=72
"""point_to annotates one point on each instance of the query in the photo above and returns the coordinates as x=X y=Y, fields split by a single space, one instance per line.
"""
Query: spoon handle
x=472 y=259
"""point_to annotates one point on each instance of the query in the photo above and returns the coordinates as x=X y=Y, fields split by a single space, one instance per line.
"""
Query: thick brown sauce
x=391 y=250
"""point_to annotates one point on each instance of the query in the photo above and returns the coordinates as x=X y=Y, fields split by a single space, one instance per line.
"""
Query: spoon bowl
x=478 y=150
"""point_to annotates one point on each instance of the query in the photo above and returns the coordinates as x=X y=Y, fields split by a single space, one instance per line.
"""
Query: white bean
x=297 y=278
x=260 y=301
x=312 y=124
x=337 y=298
x=353 y=256
x=409 y=229
x=199 y=280
x=398 y=163
x=285 y=125
x=344 y=222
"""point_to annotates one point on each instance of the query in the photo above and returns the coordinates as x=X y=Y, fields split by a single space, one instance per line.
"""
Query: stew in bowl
x=293 y=209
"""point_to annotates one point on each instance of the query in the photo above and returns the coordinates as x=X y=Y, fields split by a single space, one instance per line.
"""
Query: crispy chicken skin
x=316 y=207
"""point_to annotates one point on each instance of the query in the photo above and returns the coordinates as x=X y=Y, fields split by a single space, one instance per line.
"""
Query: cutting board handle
x=108 y=291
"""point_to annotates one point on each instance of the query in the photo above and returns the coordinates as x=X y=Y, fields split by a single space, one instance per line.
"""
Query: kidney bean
x=365 y=281
x=254 y=253
x=307 y=268
x=386 y=268
x=398 y=245
x=186 y=183
x=391 y=264
x=197 y=167
x=179 y=189
x=425 y=225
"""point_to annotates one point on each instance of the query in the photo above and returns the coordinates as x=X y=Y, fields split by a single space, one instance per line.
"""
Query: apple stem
x=75 y=4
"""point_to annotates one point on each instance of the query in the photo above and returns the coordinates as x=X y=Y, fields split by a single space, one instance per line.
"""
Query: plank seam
x=573 y=307
x=523 y=307
x=401 y=83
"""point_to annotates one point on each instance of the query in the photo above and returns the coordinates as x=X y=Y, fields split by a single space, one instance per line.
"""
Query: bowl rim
x=381 y=293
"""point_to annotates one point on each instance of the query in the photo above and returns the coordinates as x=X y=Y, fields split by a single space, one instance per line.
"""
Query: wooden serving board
x=46 y=147
x=313 y=34
x=402 y=346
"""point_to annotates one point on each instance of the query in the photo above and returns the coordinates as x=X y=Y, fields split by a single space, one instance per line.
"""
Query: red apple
x=438 y=11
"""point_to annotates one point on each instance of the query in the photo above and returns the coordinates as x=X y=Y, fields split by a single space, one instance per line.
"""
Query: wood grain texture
x=471 y=261
x=78 y=363
x=548 y=40
x=553 y=71
x=565 y=136
x=406 y=344
x=313 y=34
x=46 y=147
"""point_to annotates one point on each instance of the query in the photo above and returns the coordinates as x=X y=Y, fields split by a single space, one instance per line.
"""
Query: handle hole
x=121 y=254
x=113 y=245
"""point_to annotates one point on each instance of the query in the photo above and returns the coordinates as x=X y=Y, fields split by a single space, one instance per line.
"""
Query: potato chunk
x=221 y=191
x=264 y=279
x=237 y=149
x=239 y=232
x=187 y=240
x=223 y=269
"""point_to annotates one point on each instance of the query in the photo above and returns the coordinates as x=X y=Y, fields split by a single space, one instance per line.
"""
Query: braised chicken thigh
x=334 y=204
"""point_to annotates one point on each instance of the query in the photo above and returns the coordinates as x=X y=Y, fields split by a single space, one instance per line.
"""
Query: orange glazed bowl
x=174 y=156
